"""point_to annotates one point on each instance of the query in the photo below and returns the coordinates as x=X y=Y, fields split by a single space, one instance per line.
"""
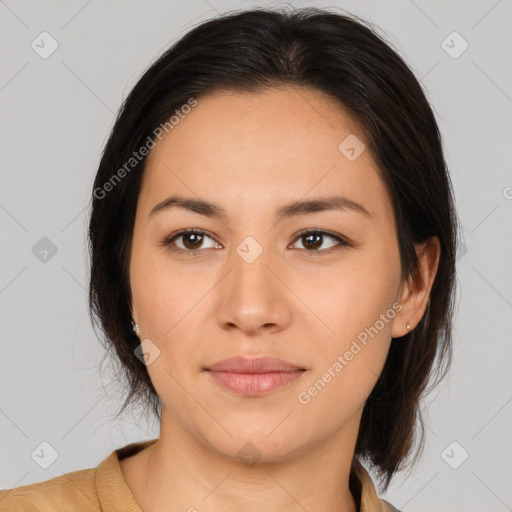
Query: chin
x=252 y=449
x=255 y=439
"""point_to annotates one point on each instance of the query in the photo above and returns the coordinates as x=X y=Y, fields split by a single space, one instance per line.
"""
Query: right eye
x=191 y=241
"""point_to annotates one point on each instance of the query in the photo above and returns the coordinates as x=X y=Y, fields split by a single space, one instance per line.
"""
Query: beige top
x=105 y=489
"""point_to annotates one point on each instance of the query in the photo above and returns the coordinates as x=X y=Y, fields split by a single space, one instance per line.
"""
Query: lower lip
x=255 y=384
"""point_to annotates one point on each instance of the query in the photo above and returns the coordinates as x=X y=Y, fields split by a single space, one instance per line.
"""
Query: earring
x=135 y=328
x=407 y=326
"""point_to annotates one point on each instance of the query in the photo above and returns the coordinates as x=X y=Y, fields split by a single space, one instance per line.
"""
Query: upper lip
x=253 y=365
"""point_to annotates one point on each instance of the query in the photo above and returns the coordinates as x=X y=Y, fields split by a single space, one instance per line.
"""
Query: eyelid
x=321 y=231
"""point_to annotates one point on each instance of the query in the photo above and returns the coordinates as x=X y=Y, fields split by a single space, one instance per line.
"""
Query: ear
x=414 y=294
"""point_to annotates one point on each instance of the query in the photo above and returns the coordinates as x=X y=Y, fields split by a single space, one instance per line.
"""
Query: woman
x=273 y=261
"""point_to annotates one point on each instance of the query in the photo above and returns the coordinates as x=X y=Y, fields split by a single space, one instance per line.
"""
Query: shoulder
x=75 y=491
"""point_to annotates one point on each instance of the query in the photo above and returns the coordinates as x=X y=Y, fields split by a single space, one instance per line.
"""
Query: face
x=254 y=280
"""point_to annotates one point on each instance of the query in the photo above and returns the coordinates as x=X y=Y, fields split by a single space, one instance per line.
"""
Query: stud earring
x=135 y=328
x=407 y=326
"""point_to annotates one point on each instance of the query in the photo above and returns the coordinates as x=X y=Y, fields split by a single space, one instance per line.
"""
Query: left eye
x=314 y=239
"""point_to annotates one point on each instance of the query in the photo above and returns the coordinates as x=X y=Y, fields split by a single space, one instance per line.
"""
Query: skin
x=251 y=154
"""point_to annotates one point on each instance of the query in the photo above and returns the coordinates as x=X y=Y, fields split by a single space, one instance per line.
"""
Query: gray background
x=56 y=114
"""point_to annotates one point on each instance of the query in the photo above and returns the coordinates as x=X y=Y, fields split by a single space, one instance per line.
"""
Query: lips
x=254 y=365
x=254 y=377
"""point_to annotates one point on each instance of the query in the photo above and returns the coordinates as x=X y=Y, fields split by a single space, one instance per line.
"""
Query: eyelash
x=342 y=242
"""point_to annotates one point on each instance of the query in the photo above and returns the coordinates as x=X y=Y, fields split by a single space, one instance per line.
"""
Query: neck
x=184 y=473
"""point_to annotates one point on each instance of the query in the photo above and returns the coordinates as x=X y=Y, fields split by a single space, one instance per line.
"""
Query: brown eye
x=190 y=240
x=313 y=240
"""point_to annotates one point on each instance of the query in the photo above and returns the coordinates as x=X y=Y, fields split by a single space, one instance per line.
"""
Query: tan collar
x=364 y=491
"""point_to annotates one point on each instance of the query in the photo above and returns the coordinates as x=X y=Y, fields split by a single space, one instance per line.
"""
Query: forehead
x=273 y=119
x=281 y=142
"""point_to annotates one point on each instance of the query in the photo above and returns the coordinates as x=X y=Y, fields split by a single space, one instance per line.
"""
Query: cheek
x=349 y=364
x=358 y=304
x=162 y=295
x=351 y=296
x=170 y=307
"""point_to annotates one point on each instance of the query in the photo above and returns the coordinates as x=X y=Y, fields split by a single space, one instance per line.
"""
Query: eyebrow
x=290 y=210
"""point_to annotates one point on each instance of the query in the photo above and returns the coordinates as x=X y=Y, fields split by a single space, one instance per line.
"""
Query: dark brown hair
x=337 y=54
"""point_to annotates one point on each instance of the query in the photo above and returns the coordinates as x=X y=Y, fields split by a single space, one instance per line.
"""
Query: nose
x=254 y=298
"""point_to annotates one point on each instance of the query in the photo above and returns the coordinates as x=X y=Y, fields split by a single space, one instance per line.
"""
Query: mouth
x=254 y=377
